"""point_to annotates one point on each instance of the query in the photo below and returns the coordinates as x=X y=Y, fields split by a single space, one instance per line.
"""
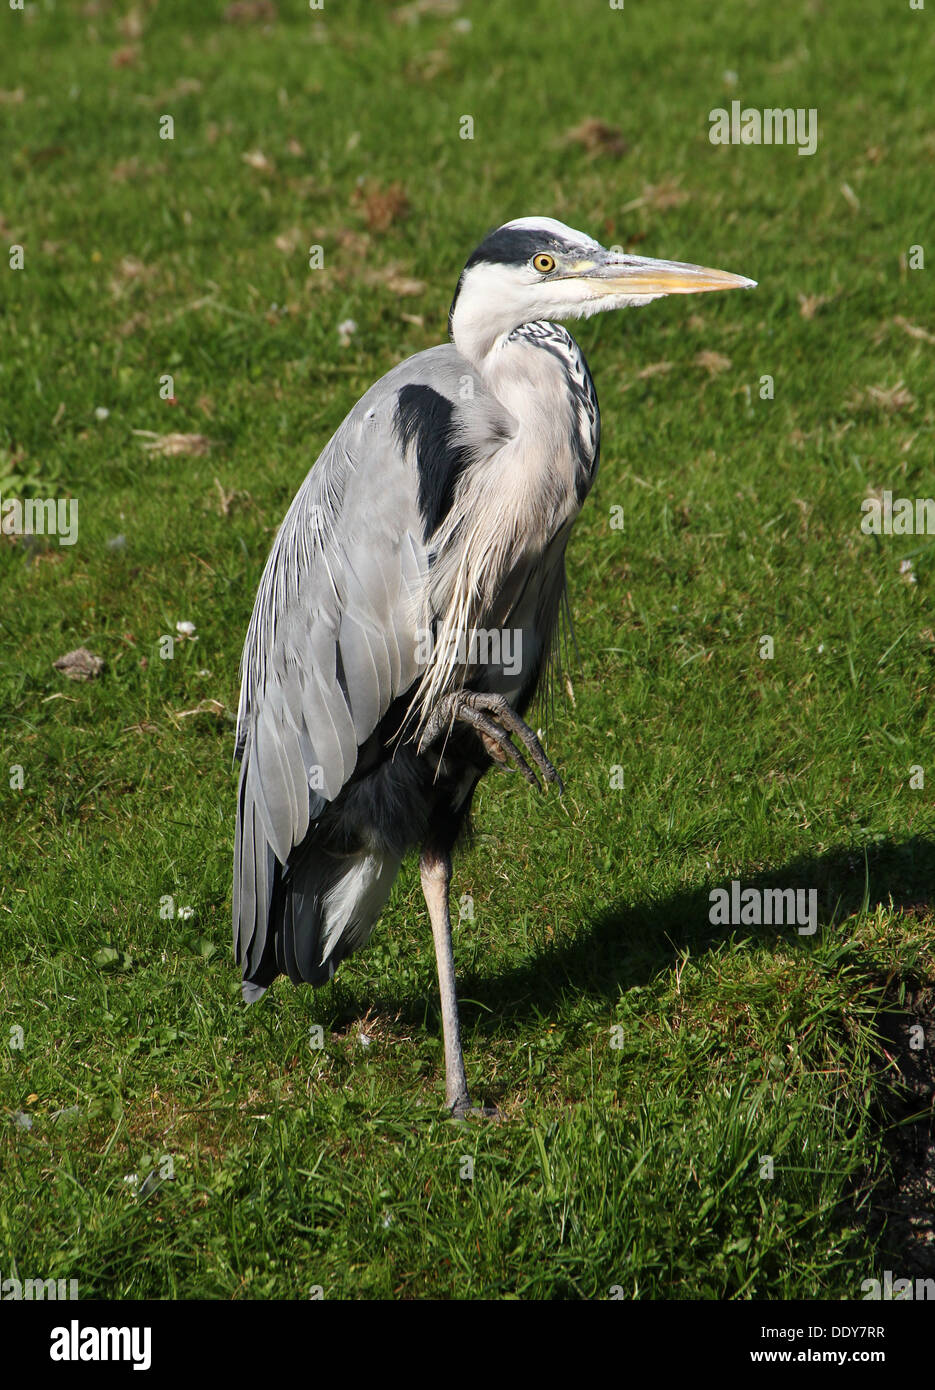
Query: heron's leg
x=495 y=720
x=435 y=868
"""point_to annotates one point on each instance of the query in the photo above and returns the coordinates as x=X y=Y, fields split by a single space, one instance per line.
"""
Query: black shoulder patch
x=425 y=417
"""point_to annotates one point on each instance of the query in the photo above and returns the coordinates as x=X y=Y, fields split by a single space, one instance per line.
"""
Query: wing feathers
x=331 y=644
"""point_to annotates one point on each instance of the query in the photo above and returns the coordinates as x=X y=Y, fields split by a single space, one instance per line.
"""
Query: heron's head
x=536 y=268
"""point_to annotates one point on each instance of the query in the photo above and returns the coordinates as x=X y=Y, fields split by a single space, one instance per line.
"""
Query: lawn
x=687 y=1109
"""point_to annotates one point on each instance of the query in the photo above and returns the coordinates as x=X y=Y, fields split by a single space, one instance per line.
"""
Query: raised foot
x=497 y=723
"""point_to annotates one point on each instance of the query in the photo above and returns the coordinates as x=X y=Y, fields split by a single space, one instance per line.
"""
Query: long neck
x=539 y=374
x=518 y=498
x=476 y=332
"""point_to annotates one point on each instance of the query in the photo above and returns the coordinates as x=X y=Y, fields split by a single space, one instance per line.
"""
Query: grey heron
x=440 y=509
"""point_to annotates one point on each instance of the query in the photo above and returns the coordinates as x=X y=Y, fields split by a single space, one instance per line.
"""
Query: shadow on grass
x=629 y=943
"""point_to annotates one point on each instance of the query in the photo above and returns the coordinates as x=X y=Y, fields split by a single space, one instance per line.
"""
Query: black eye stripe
x=516 y=246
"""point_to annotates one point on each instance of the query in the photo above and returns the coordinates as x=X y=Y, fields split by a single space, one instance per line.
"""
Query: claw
x=496 y=722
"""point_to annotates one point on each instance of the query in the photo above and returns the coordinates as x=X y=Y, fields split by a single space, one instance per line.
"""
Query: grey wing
x=328 y=648
x=333 y=636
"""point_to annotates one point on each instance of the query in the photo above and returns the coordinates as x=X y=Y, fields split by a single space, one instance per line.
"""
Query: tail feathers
x=323 y=908
x=304 y=918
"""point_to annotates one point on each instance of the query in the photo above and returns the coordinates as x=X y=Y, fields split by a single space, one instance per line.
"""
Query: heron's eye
x=543 y=263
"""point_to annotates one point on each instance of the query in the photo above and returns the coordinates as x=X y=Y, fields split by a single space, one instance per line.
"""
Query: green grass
x=638 y=1165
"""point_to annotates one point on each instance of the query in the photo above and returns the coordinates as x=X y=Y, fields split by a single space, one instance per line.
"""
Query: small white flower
x=185 y=913
x=821 y=647
x=101 y=412
x=387 y=1220
x=730 y=77
x=364 y=1040
x=22 y=1120
x=905 y=569
x=346 y=329
x=185 y=629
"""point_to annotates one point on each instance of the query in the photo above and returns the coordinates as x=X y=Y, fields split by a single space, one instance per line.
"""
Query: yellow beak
x=640 y=275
